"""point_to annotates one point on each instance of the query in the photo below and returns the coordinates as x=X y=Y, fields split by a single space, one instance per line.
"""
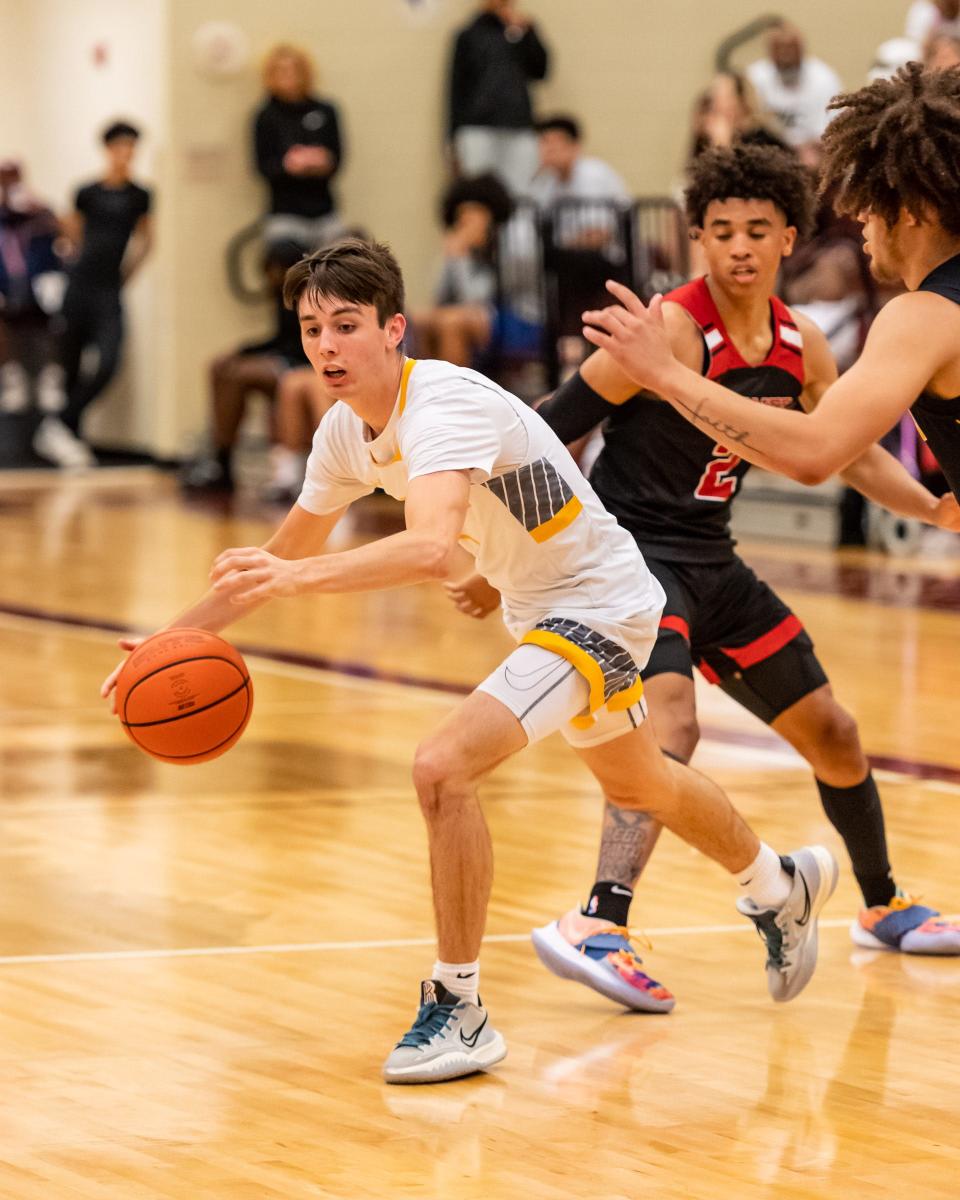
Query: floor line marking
x=15 y=960
x=894 y=770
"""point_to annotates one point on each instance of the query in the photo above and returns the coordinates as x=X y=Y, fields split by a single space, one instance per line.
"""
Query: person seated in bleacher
x=566 y=173
x=31 y=287
x=249 y=369
x=458 y=326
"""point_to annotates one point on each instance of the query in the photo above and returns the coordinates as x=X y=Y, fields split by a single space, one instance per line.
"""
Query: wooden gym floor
x=202 y=968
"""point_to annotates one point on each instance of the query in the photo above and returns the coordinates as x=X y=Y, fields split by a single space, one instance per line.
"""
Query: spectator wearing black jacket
x=298 y=150
x=495 y=58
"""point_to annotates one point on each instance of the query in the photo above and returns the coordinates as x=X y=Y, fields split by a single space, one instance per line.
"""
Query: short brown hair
x=896 y=144
x=355 y=270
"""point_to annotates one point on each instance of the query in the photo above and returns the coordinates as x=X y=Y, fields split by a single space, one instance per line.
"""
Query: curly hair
x=483 y=189
x=751 y=172
x=896 y=144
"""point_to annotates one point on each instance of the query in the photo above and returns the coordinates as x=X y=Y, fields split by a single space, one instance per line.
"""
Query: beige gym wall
x=629 y=68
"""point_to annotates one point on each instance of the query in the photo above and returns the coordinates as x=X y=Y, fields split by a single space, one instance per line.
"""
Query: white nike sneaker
x=790 y=932
x=451 y=1037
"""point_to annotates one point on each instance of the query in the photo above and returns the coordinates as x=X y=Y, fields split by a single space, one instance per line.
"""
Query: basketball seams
x=166 y=666
x=185 y=758
x=220 y=721
x=244 y=681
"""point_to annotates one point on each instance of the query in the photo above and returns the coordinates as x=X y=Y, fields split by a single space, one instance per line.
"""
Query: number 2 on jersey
x=717 y=482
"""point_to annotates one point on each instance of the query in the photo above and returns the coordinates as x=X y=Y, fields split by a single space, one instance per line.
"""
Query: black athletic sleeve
x=574 y=409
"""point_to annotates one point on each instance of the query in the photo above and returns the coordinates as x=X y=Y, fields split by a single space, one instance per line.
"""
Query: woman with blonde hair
x=298 y=150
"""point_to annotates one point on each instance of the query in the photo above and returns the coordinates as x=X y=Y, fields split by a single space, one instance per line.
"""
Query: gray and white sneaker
x=790 y=932
x=450 y=1037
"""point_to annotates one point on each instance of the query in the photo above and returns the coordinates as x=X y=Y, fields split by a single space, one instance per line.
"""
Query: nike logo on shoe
x=471 y=1041
x=803 y=920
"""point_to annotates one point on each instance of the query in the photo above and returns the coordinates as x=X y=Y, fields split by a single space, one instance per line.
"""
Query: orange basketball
x=184 y=696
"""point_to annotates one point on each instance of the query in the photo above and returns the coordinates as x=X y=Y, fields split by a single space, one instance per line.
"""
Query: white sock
x=766 y=883
x=463 y=979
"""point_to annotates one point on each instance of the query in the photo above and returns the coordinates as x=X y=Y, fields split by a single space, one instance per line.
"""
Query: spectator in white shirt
x=794 y=86
x=566 y=173
x=924 y=17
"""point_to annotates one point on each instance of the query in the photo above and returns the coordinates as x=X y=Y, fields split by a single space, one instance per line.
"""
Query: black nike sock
x=610 y=902
x=857 y=815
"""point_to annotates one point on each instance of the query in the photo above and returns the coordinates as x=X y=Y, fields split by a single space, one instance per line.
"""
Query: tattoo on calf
x=626 y=845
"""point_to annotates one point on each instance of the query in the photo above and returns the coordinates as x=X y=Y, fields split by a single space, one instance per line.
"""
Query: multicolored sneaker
x=905 y=925
x=601 y=955
x=790 y=932
x=451 y=1037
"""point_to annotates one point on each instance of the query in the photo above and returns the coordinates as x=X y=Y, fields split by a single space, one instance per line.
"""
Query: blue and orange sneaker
x=601 y=955
x=907 y=926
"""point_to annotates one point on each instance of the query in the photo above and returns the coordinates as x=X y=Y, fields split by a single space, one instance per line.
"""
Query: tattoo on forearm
x=729 y=435
x=626 y=845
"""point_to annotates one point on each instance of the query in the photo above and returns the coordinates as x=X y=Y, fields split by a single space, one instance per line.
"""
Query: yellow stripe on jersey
x=566 y=516
x=404 y=380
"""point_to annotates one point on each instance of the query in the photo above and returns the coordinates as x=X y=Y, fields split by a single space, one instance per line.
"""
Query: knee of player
x=838 y=736
x=436 y=772
x=678 y=736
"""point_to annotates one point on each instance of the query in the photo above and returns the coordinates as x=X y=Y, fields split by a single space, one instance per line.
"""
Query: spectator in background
x=728 y=111
x=252 y=368
x=566 y=173
x=495 y=58
x=298 y=150
x=942 y=49
x=794 y=86
x=31 y=278
x=924 y=17
x=111 y=232
x=460 y=323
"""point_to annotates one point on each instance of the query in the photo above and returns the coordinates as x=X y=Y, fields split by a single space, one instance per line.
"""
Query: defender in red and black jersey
x=661 y=478
x=672 y=487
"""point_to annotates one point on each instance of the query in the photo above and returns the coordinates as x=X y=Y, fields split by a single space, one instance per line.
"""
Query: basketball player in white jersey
x=473 y=465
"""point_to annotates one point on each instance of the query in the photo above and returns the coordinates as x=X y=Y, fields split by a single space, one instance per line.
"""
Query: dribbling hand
x=108 y=687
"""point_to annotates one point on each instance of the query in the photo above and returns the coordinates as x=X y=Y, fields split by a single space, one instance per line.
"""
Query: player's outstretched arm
x=301 y=534
x=435 y=510
x=875 y=474
x=911 y=339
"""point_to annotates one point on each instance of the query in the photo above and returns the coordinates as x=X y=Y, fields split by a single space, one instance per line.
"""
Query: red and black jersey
x=664 y=480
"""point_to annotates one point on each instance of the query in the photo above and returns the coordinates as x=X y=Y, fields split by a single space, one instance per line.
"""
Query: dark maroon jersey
x=667 y=482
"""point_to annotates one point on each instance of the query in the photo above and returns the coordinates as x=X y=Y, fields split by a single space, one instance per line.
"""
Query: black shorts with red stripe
x=728 y=623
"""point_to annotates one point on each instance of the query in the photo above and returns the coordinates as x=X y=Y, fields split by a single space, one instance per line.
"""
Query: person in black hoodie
x=495 y=58
x=298 y=150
